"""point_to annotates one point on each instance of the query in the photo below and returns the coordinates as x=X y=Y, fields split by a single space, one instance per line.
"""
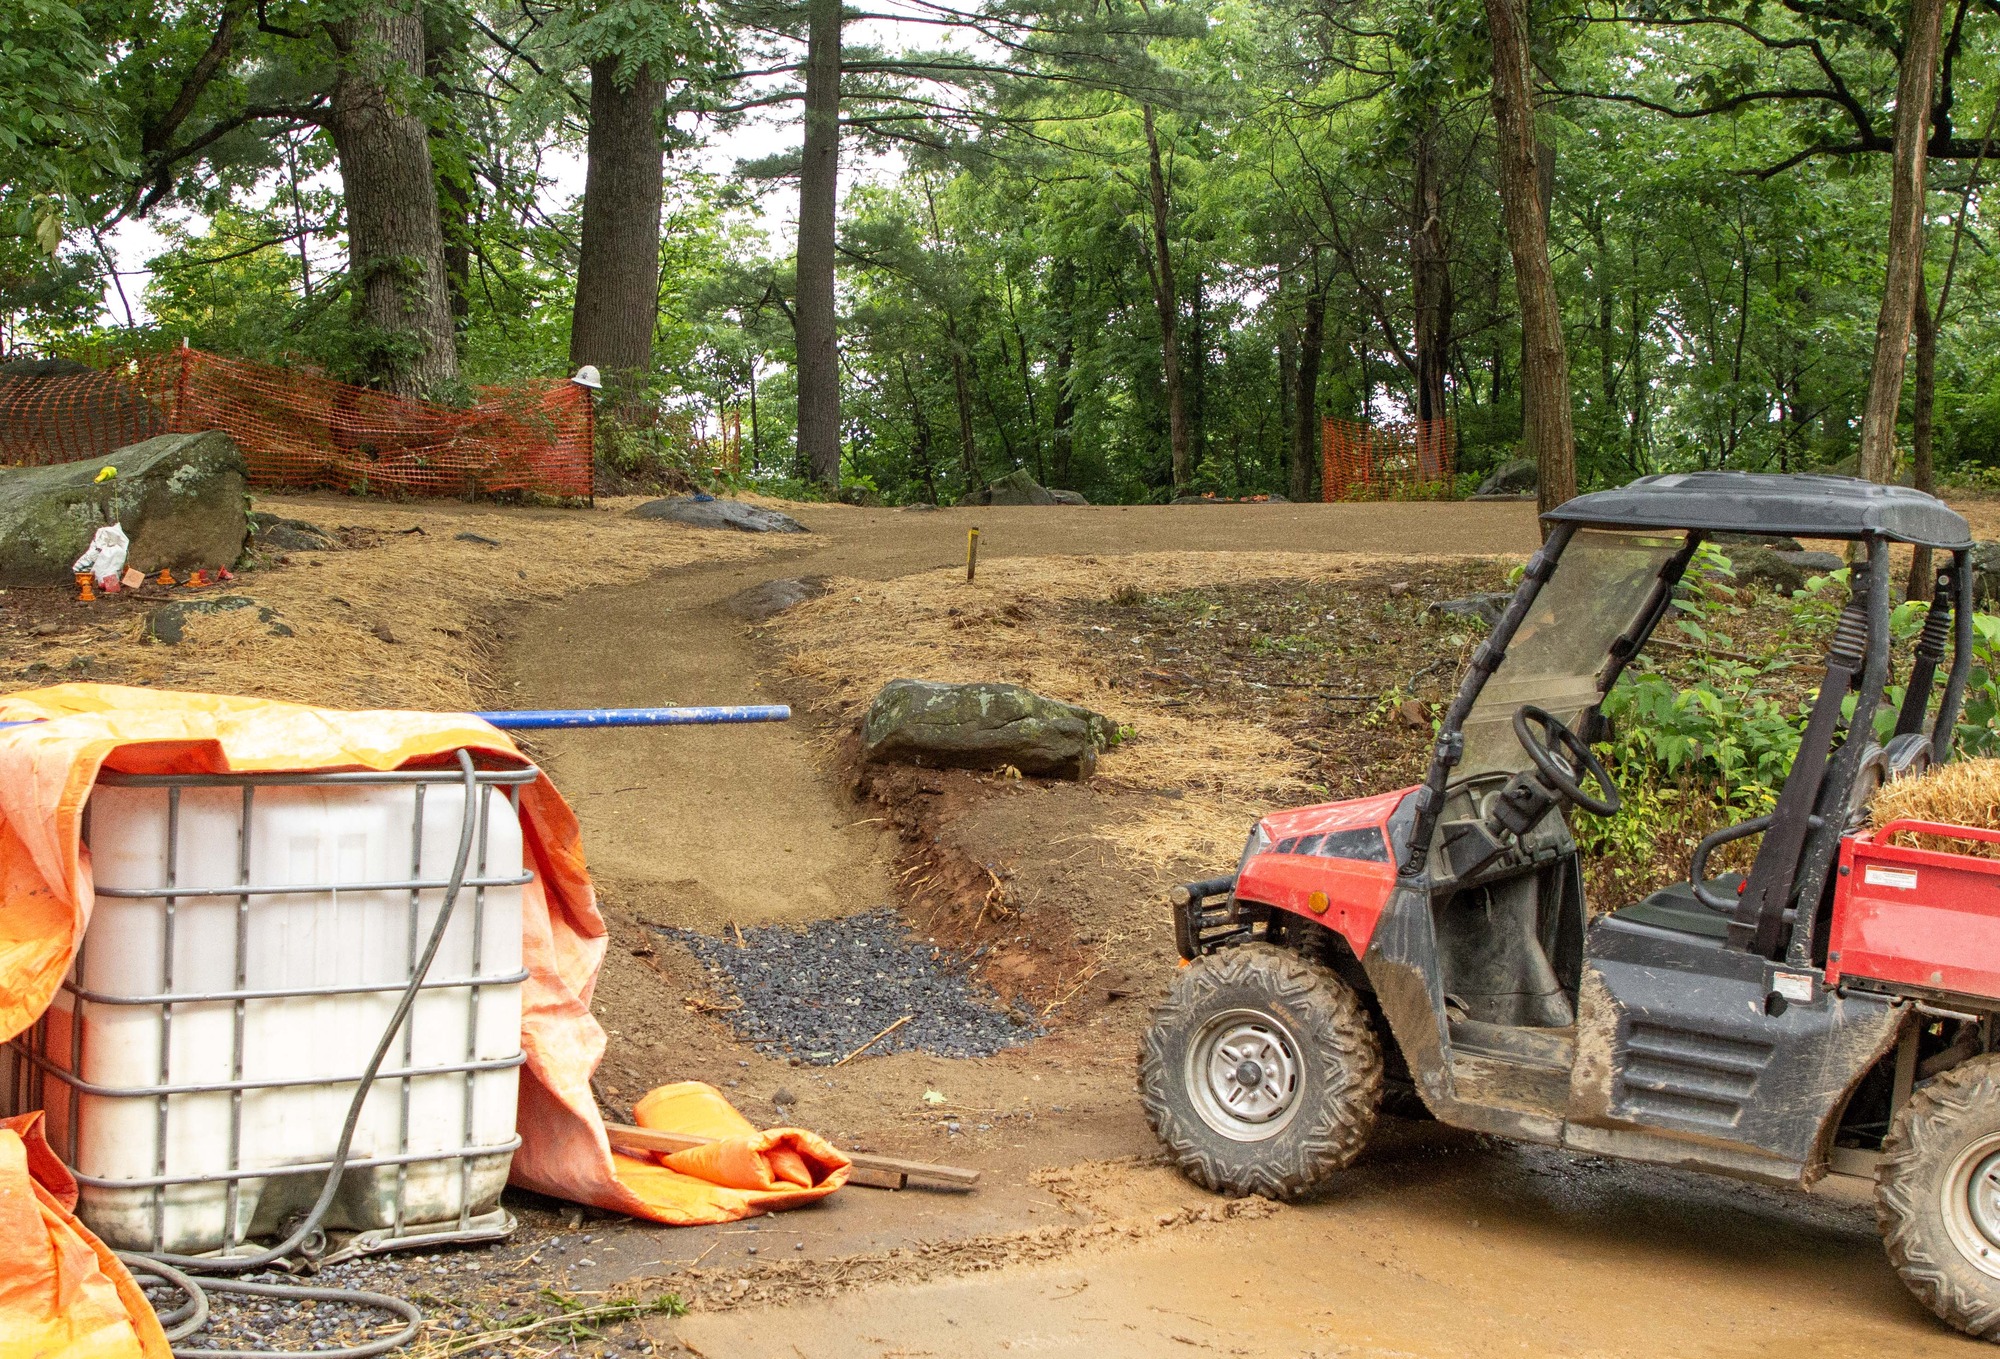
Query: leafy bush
x=1706 y=735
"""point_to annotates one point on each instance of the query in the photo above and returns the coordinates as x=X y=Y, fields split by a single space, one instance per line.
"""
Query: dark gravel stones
x=819 y=992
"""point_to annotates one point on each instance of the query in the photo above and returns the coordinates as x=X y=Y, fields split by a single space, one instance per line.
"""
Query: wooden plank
x=625 y=1137
x=870 y=1178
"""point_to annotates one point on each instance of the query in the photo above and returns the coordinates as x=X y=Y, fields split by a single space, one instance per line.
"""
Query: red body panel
x=1346 y=894
x=1917 y=917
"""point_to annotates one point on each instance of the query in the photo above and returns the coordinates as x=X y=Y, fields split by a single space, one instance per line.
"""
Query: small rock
x=1783 y=572
x=773 y=597
x=1016 y=488
x=784 y=1096
x=271 y=533
x=1413 y=715
x=1067 y=497
x=168 y=623
x=1398 y=588
x=382 y=631
x=1518 y=476
x=1487 y=608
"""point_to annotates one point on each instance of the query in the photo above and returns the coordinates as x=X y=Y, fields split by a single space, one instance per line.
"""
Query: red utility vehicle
x=1832 y=1012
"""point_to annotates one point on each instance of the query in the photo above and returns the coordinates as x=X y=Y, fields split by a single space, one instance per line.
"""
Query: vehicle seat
x=1675 y=908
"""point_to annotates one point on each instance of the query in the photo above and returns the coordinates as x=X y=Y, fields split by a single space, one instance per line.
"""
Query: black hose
x=177 y=1270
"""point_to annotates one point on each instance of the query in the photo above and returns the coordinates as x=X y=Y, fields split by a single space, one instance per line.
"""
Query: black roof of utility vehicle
x=1798 y=504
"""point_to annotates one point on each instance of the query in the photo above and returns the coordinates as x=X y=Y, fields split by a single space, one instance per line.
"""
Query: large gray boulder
x=982 y=726
x=1016 y=488
x=183 y=500
x=705 y=511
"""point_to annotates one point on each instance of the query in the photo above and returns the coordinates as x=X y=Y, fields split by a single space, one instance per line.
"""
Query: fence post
x=181 y=389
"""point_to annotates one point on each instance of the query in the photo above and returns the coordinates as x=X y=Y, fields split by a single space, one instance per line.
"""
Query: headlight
x=1260 y=841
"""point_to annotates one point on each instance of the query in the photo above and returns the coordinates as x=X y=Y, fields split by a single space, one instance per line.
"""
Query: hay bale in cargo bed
x=1962 y=793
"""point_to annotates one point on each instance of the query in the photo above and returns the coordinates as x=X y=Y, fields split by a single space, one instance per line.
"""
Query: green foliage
x=56 y=140
x=1703 y=739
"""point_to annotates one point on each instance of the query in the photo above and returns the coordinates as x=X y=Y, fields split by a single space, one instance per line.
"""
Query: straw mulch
x=402 y=619
x=1015 y=624
x=1962 y=793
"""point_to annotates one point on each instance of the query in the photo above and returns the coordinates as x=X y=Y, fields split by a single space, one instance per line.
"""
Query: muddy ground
x=1078 y=1240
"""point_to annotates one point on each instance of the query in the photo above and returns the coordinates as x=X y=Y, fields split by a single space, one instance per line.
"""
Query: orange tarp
x=61 y=1292
x=46 y=773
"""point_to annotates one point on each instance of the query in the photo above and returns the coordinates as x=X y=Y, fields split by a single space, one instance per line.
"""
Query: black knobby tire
x=1930 y=1165
x=1307 y=1020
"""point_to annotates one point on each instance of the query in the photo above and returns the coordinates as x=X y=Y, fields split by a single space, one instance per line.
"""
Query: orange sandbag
x=47 y=770
x=742 y=1172
x=62 y=1294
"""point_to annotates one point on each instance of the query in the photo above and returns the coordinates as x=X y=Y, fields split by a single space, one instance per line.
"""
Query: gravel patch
x=818 y=993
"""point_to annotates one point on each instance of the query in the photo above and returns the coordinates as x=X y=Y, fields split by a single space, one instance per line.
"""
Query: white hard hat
x=586 y=376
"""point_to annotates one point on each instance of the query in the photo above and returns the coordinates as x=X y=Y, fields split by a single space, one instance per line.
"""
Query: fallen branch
x=873 y=1041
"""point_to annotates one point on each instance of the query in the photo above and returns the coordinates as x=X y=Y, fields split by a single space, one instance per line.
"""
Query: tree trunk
x=618 y=269
x=968 y=452
x=1062 y=439
x=1430 y=283
x=1923 y=401
x=1168 y=305
x=1545 y=399
x=443 y=49
x=920 y=428
x=813 y=312
x=395 y=248
x=1877 y=461
x=1305 y=392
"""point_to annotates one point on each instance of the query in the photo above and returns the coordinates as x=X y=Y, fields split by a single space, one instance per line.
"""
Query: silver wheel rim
x=1243 y=1072
x=1972 y=1203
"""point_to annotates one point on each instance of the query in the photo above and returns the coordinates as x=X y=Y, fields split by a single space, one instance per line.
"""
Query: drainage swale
x=820 y=991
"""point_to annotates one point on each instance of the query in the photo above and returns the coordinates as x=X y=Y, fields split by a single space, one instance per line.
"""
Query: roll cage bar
x=1802 y=833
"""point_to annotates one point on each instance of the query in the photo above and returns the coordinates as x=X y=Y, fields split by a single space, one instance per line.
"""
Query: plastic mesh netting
x=297 y=430
x=52 y=410
x=1406 y=460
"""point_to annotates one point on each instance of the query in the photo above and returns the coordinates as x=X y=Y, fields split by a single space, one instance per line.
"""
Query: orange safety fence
x=1404 y=460
x=297 y=430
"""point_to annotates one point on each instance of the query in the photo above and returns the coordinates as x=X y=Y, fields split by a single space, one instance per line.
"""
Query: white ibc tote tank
x=251 y=938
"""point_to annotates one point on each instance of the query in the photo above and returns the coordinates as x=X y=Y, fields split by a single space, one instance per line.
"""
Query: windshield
x=1599 y=586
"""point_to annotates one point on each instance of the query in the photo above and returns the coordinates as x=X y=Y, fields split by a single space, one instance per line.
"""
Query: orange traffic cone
x=197 y=580
x=83 y=590
x=166 y=576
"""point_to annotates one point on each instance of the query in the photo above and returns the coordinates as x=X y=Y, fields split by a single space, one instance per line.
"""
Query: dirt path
x=702 y=826
x=1438 y=1245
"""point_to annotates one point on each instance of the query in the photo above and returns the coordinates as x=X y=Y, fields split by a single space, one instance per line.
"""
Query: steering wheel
x=1559 y=769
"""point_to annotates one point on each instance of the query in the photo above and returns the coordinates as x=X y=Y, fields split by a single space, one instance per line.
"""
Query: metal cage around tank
x=459 y=1178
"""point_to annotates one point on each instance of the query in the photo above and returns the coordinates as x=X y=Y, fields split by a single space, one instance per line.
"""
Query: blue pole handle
x=543 y=719
x=533 y=719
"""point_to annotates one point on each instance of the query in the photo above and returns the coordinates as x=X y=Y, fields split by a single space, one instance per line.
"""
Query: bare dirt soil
x=1078 y=1241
